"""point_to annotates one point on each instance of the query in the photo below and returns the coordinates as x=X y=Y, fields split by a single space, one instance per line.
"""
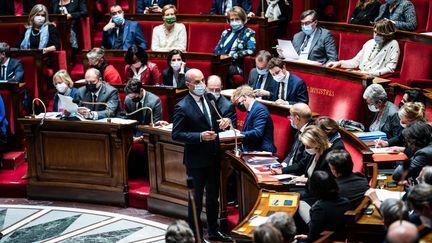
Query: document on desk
x=50 y=115
x=230 y=134
x=257 y=220
x=117 y=120
x=288 y=51
x=384 y=194
x=67 y=103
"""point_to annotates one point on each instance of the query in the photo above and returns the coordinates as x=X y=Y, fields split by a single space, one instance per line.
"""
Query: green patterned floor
x=57 y=224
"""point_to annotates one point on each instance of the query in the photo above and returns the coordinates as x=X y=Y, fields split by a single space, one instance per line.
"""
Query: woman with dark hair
x=174 y=75
x=365 y=12
x=328 y=212
x=418 y=139
x=331 y=129
x=412 y=95
x=140 y=68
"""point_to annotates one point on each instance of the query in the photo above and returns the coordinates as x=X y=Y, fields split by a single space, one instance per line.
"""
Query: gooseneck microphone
x=33 y=109
x=143 y=109
x=236 y=150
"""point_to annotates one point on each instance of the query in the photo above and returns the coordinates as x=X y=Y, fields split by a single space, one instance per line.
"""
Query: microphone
x=143 y=109
x=33 y=110
x=236 y=150
x=95 y=103
x=190 y=186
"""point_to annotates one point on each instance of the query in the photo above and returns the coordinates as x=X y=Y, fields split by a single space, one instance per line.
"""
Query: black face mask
x=241 y=107
x=136 y=99
x=91 y=87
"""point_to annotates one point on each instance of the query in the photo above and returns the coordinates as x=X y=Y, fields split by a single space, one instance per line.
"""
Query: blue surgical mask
x=307 y=29
x=118 y=19
x=378 y=39
x=262 y=71
x=236 y=25
x=199 y=89
x=293 y=125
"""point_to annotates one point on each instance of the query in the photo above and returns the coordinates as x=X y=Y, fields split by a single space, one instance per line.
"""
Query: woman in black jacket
x=365 y=12
x=174 y=75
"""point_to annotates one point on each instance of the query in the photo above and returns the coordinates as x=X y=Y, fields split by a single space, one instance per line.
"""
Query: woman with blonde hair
x=169 y=35
x=64 y=86
x=379 y=55
x=40 y=33
x=365 y=12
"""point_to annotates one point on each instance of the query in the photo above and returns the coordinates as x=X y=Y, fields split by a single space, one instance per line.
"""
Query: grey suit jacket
x=150 y=100
x=108 y=94
x=253 y=79
x=420 y=159
x=323 y=47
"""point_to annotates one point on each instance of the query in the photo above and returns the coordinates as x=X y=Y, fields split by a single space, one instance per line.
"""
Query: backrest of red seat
x=255 y=5
x=356 y=157
x=164 y=106
x=333 y=97
x=350 y=44
x=84 y=34
x=30 y=76
x=122 y=96
x=417 y=62
x=11 y=33
x=194 y=6
x=282 y=135
x=422 y=9
x=341 y=9
x=119 y=64
x=429 y=24
x=429 y=112
x=298 y=8
x=351 y=7
x=147 y=27
x=336 y=36
x=203 y=37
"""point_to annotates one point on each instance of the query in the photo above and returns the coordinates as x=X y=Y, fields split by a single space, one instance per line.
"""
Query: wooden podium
x=78 y=160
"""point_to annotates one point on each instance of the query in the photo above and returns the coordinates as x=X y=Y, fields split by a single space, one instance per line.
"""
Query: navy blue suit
x=142 y=4
x=132 y=34
x=217 y=6
x=258 y=130
x=15 y=70
x=202 y=158
x=296 y=90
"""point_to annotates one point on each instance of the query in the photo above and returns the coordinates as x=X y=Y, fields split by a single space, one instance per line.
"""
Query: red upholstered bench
x=350 y=44
x=193 y=6
x=11 y=160
x=147 y=27
x=203 y=37
x=429 y=24
x=11 y=33
x=422 y=9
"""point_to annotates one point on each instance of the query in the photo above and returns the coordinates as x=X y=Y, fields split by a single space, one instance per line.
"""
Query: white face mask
x=373 y=108
x=427 y=222
x=279 y=77
x=176 y=65
x=61 y=88
x=39 y=20
x=311 y=151
x=215 y=94
x=403 y=125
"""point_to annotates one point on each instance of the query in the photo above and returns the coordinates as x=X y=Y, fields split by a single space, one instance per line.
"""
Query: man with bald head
x=300 y=117
x=214 y=87
x=402 y=232
x=98 y=91
x=196 y=124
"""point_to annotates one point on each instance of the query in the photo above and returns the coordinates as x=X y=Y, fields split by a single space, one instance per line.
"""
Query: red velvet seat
x=422 y=9
x=350 y=10
x=14 y=33
x=429 y=23
x=147 y=27
x=203 y=37
x=351 y=44
x=194 y=6
x=356 y=157
x=282 y=135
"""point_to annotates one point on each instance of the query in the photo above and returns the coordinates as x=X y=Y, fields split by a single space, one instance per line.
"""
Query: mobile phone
x=368 y=211
x=391 y=184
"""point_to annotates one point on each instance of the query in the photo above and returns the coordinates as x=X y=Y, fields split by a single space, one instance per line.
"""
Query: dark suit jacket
x=303 y=165
x=76 y=8
x=167 y=77
x=258 y=130
x=132 y=34
x=353 y=187
x=404 y=15
x=390 y=122
x=269 y=82
x=15 y=70
x=323 y=47
x=142 y=4
x=228 y=109
x=144 y=118
x=328 y=215
x=73 y=94
x=108 y=94
x=189 y=122
x=297 y=151
x=365 y=16
x=296 y=90
x=217 y=6
x=7 y=7
x=420 y=159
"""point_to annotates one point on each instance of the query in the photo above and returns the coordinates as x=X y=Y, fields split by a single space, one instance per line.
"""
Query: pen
x=275 y=47
x=377 y=141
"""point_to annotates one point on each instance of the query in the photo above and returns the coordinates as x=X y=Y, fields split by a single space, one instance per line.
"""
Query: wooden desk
x=263 y=207
x=78 y=160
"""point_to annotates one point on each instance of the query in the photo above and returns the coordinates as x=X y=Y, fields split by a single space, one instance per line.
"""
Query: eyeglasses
x=307 y=23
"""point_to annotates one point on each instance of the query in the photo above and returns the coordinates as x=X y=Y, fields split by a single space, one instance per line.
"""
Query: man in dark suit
x=300 y=117
x=221 y=7
x=120 y=33
x=259 y=78
x=258 y=127
x=11 y=69
x=214 y=87
x=196 y=124
x=289 y=88
x=314 y=43
x=97 y=90
x=152 y=6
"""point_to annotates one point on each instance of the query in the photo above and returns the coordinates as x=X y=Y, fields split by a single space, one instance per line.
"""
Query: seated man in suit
x=152 y=6
x=258 y=127
x=259 y=78
x=105 y=97
x=222 y=7
x=136 y=98
x=289 y=89
x=11 y=69
x=120 y=33
x=300 y=117
x=314 y=43
x=214 y=87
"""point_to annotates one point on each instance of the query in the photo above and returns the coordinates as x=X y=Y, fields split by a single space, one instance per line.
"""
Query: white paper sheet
x=257 y=220
x=230 y=134
x=384 y=194
x=288 y=51
x=66 y=102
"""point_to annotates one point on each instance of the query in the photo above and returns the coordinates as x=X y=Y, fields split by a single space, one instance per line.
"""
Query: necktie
x=259 y=82
x=140 y=113
x=94 y=100
x=3 y=72
x=205 y=111
x=304 y=45
x=282 y=91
